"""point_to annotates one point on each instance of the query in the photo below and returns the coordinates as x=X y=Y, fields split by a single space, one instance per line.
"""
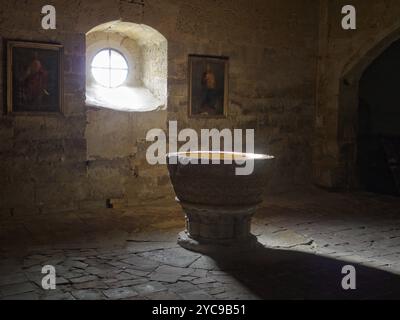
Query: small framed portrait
x=34 y=77
x=208 y=86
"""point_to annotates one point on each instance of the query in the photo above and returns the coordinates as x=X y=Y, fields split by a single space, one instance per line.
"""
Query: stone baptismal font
x=217 y=201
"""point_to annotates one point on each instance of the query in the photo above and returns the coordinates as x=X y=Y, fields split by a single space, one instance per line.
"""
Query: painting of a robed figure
x=34 y=77
x=208 y=87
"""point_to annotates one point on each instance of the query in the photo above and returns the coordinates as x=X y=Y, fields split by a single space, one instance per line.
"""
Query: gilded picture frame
x=35 y=75
x=208 y=86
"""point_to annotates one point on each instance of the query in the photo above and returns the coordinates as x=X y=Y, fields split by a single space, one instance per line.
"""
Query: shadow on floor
x=283 y=274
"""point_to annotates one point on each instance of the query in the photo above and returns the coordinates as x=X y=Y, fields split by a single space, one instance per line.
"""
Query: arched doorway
x=368 y=94
x=378 y=147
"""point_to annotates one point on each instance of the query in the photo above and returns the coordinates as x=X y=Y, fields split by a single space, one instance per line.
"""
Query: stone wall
x=271 y=46
x=43 y=158
x=343 y=57
x=155 y=68
x=117 y=166
x=45 y=162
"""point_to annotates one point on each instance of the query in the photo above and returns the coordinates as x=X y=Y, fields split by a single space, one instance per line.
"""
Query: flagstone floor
x=307 y=236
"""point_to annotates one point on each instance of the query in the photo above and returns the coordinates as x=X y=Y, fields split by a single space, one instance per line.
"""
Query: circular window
x=109 y=68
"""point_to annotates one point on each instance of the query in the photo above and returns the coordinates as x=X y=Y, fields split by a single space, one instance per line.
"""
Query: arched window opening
x=127 y=67
x=109 y=68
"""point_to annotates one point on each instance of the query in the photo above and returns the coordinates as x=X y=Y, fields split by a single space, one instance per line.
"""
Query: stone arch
x=145 y=50
x=348 y=103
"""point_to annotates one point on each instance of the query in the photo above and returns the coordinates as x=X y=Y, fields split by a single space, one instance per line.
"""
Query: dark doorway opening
x=378 y=154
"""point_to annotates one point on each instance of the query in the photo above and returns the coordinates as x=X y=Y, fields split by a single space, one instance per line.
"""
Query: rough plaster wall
x=117 y=162
x=42 y=158
x=271 y=45
x=343 y=56
x=155 y=68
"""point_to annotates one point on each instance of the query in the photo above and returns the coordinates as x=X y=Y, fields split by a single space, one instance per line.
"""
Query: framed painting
x=208 y=86
x=34 y=77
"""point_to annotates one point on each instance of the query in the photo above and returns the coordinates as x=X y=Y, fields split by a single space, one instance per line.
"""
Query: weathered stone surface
x=90 y=285
x=205 y=263
x=163 y=295
x=59 y=296
x=142 y=264
x=76 y=264
x=128 y=283
x=14 y=289
x=197 y=295
x=120 y=293
x=149 y=287
x=284 y=239
x=345 y=229
x=61 y=281
x=177 y=257
x=83 y=279
x=137 y=247
x=182 y=287
x=198 y=273
x=187 y=278
x=169 y=274
x=13 y=278
x=138 y=273
x=23 y=296
x=88 y=295
x=204 y=280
